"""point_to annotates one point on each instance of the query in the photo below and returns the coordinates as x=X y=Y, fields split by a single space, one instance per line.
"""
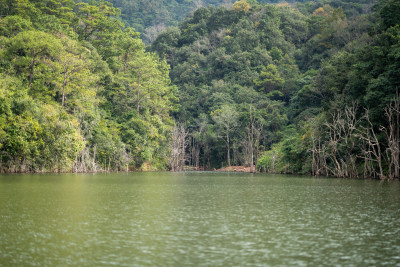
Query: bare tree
x=194 y=152
x=178 y=150
x=392 y=132
x=254 y=130
x=354 y=142
x=152 y=32
x=197 y=4
x=371 y=149
x=319 y=165
x=341 y=143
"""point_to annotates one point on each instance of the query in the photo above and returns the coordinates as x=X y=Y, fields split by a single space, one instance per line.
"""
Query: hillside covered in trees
x=78 y=91
x=292 y=88
x=305 y=88
x=150 y=17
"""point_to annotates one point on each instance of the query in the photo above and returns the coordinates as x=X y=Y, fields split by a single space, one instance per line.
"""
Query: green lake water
x=197 y=219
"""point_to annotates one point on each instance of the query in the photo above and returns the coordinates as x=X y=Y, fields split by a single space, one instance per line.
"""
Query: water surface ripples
x=197 y=219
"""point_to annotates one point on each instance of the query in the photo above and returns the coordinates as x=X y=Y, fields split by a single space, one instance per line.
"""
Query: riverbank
x=235 y=169
x=223 y=169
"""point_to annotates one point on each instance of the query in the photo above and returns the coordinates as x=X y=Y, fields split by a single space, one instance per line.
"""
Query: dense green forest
x=291 y=88
x=305 y=88
x=150 y=17
x=78 y=91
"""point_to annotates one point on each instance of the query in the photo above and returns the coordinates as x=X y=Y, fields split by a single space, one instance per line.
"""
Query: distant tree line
x=151 y=17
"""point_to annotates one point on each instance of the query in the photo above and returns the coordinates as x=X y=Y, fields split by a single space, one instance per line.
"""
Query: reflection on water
x=207 y=219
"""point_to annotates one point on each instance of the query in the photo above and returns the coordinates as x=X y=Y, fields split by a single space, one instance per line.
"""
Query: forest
x=78 y=91
x=151 y=17
x=308 y=88
x=299 y=87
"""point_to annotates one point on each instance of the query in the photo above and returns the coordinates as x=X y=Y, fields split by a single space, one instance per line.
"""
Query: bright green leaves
x=34 y=136
x=95 y=19
x=12 y=25
x=226 y=118
x=62 y=140
x=54 y=68
x=146 y=85
x=143 y=104
x=269 y=79
x=75 y=84
x=80 y=92
x=32 y=54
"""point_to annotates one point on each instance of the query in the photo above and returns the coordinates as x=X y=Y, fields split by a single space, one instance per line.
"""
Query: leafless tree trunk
x=228 y=149
x=207 y=155
x=392 y=132
x=254 y=130
x=250 y=133
x=319 y=165
x=341 y=144
x=179 y=143
x=319 y=158
x=194 y=152
x=355 y=142
x=94 y=165
x=371 y=150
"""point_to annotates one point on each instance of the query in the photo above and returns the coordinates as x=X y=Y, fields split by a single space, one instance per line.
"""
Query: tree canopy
x=78 y=90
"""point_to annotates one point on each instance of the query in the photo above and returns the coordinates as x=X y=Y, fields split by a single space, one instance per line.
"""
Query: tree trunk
x=396 y=139
x=228 y=152
x=138 y=97
x=63 y=91
x=392 y=113
x=179 y=142
x=251 y=140
x=94 y=159
x=32 y=66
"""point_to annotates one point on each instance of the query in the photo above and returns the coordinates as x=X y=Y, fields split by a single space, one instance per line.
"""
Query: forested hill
x=78 y=92
x=305 y=88
x=150 y=17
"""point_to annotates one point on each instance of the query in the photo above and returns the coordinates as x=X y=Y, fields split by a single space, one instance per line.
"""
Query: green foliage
x=294 y=64
x=223 y=58
x=270 y=161
x=78 y=91
x=389 y=13
x=35 y=136
x=12 y=25
x=269 y=79
x=241 y=6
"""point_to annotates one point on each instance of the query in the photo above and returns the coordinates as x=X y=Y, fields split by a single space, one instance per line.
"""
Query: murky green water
x=197 y=219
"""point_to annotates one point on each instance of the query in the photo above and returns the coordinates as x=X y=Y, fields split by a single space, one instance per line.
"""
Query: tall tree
x=226 y=119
